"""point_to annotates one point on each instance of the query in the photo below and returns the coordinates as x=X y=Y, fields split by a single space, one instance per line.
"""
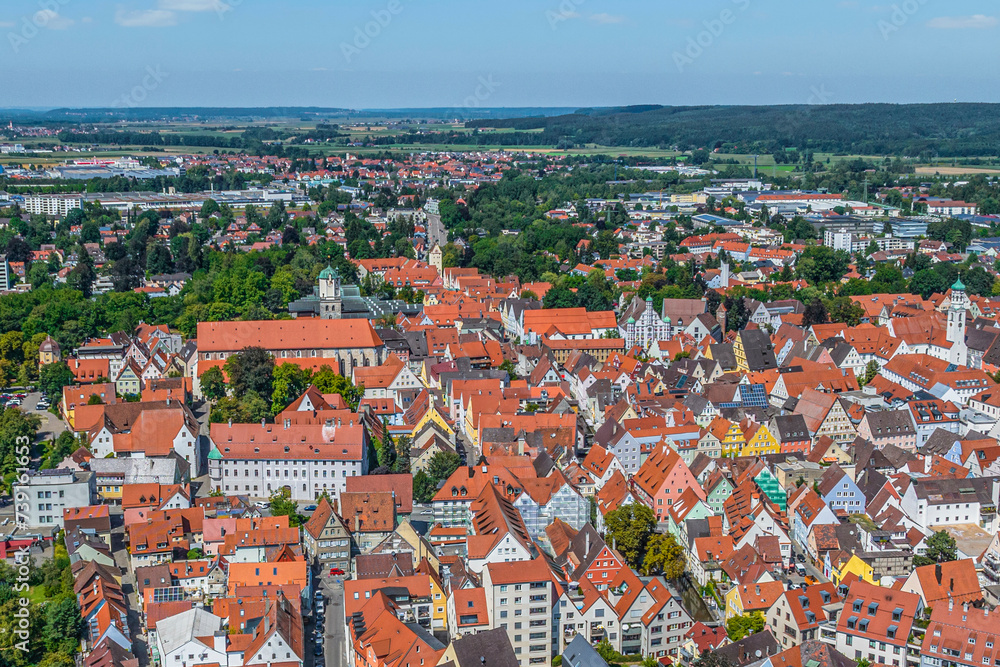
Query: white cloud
x=191 y=5
x=7 y=24
x=145 y=18
x=606 y=18
x=48 y=18
x=962 y=22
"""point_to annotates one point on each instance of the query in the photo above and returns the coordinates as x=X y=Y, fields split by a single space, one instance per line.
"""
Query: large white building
x=519 y=597
x=54 y=205
x=258 y=460
x=40 y=502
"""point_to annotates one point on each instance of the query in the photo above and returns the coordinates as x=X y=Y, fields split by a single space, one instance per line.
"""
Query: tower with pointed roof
x=330 y=296
x=956 y=324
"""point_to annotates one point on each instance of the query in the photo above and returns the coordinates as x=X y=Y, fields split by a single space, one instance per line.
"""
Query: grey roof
x=758 y=349
x=490 y=648
x=751 y=649
x=579 y=653
x=890 y=423
x=724 y=355
x=940 y=442
x=138 y=471
x=791 y=428
x=175 y=631
x=941 y=491
x=696 y=403
x=981 y=339
x=839 y=349
x=418 y=343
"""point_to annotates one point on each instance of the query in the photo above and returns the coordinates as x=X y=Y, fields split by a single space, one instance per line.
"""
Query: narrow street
x=140 y=645
x=336 y=626
x=436 y=233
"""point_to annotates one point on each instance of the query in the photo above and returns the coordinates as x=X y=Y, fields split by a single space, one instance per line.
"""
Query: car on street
x=263 y=504
x=309 y=508
x=318 y=650
x=336 y=572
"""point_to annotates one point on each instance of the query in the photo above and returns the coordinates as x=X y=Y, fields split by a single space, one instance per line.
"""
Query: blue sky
x=450 y=53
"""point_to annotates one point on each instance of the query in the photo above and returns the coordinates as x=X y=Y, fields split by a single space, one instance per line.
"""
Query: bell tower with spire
x=956 y=324
x=330 y=297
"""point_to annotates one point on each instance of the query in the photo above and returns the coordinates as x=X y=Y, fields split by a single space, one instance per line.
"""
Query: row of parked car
x=319 y=606
x=9 y=400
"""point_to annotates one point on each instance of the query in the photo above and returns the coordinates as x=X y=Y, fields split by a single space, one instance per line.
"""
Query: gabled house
x=662 y=479
x=840 y=492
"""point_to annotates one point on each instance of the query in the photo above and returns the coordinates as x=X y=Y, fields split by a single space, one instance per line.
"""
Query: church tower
x=330 y=298
x=956 y=323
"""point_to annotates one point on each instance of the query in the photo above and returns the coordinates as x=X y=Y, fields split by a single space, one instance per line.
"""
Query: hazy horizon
x=552 y=53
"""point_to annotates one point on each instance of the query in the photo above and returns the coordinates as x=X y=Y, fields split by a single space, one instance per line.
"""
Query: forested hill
x=926 y=130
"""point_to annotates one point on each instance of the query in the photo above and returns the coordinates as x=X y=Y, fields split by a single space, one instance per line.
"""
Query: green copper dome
x=958 y=285
x=215 y=453
x=327 y=273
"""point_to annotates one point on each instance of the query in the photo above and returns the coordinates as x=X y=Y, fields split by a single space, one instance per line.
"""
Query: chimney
x=951 y=603
x=937 y=572
x=230 y=423
x=288 y=423
x=951 y=585
x=262 y=423
x=587 y=551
